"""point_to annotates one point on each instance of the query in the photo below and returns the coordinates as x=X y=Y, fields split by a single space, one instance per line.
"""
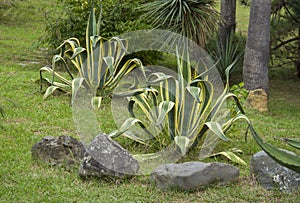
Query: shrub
x=117 y=17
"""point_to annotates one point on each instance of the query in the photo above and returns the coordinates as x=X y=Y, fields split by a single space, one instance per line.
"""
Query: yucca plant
x=194 y=19
x=98 y=64
x=231 y=51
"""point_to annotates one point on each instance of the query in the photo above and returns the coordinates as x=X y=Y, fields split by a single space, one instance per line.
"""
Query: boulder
x=105 y=157
x=258 y=99
x=193 y=175
x=62 y=150
x=271 y=175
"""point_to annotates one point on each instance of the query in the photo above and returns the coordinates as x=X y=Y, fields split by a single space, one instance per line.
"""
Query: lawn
x=29 y=118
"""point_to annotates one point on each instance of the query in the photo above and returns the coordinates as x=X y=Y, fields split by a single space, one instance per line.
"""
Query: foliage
x=285 y=31
x=97 y=64
x=232 y=53
x=240 y=92
x=245 y=2
x=194 y=19
x=117 y=17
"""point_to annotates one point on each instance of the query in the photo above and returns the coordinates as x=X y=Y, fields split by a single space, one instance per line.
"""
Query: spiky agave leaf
x=284 y=158
x=124 y=127
x=291 y=142
x=231 y=155
x=182 y=142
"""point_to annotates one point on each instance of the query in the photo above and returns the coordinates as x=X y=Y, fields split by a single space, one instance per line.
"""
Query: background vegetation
x=23 y=180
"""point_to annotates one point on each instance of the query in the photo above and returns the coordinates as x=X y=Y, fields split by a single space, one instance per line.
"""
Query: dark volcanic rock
x=62 y=150
x=193 y=175
x=271 y=175
x=105 y=157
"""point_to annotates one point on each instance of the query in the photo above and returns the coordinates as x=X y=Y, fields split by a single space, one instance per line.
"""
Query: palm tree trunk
x=228 y=19
x=255 y=68
x=256 y=59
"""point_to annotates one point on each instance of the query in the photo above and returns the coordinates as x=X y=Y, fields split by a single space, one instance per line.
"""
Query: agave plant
x=194 y=19
x=98 y=64
x=184 y=103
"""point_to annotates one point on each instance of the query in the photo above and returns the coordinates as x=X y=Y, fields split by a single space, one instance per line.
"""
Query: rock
x=271 y=175
x=193 y=175
x=105 y=157
x=62 y=150
x=258 y=99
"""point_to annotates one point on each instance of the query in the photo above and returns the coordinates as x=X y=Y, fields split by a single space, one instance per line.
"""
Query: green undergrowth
x=29 y=118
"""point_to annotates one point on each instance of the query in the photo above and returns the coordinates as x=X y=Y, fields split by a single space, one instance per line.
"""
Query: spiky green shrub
x=231 y=53
x=194 y=19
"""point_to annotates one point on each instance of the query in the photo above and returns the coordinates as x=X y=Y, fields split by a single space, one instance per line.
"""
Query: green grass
x=242 y=18
x=24 y=180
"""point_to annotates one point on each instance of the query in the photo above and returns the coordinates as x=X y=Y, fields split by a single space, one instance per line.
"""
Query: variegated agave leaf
x=186 y=101
x=98 y=63
x=191 y=110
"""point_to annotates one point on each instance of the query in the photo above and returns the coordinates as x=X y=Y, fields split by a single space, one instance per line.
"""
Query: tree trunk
x=256 y=59
x=257 y=53
x=228 y=17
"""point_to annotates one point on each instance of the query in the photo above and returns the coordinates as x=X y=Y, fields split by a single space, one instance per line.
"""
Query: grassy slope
x=23 y=180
